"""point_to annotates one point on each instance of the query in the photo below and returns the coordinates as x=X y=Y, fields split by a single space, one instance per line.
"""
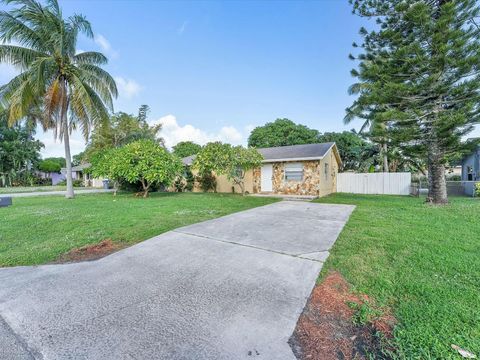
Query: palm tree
x=71 y=89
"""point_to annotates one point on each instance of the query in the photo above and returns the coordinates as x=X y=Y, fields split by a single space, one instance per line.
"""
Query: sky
x=216 y=70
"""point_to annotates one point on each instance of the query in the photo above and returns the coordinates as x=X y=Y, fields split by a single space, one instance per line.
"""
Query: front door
x=266 y=178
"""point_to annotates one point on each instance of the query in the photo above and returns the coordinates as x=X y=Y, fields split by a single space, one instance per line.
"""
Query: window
x=326 y=171
x=469 y=173
x=293 y=172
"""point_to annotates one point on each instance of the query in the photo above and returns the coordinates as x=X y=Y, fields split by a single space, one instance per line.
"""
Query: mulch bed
x=90 y=252
x=326 y=330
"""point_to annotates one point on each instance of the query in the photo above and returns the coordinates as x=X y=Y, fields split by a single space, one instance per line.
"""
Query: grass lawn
x=422 y=262
x=25 y=189
x=38 y=230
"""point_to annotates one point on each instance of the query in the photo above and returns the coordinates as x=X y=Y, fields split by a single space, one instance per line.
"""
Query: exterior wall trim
x=293 y=159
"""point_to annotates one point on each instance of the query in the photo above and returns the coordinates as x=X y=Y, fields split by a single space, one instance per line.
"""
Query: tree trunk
x=385 y=158
x=437 y=185
x=242 y=187
x=145 y=188
x=68 y=161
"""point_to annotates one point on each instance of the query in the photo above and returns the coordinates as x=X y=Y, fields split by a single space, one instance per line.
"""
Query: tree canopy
x=51 y=164
x=143 y=161
x=225 y=159
x=186 y=148
x=282 y=132
x=122 y=129
x=419 y=79
x=356 y=153
x=19 y=152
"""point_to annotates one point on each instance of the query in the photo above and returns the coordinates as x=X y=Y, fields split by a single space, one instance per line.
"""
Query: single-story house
x=79 y=173
x=309 y=169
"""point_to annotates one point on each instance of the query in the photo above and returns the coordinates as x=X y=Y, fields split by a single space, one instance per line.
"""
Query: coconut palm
x=71 y=89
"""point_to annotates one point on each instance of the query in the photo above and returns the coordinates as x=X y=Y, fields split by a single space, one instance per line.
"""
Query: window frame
x=299 y=165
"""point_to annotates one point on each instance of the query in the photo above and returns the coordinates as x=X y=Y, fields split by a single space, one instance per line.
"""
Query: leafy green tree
x=122 y=129
x=186 y=148
x=353 y=149
x=419 y=76
x=72 y=89
x=224 y=159
x=19 y=152
x=51 y=164
x=78 y=158
x=143 y=161
x=282 y=132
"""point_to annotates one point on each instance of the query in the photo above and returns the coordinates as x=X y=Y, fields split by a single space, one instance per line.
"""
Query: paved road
x=59 y=192
x=229 y=288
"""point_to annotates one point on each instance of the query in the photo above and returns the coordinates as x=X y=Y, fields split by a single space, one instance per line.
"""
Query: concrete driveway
x=229 y=288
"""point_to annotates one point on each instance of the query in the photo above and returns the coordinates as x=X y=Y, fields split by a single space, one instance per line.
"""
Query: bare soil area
x=328 y=329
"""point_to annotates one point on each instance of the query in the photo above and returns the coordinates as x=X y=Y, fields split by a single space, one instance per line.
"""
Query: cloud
x=55 y=147
x=105 y=45
x=173 y=133
x=127 y=88
x=182 y=28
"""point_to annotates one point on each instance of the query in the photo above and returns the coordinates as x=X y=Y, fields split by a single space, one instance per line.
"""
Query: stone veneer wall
x=308 y=186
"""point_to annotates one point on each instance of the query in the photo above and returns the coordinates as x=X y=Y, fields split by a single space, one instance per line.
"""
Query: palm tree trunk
x=385 y=158
x=68 y=160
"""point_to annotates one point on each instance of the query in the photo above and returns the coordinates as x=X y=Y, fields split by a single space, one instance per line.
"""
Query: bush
x=207 y=182
x=76 y=183
x=477 y=189
x=454 y=178
x=179 y=184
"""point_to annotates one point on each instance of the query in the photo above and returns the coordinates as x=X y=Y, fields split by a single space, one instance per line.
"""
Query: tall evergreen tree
x=419 y=75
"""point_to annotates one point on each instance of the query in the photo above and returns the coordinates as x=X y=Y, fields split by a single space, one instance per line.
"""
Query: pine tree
x=419 y=75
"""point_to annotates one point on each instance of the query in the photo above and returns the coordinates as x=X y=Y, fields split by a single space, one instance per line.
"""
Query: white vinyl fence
x=374 y=183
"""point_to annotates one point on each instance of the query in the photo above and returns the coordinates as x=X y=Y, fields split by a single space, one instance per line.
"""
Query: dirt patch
x=90 y=252
x=337 y=324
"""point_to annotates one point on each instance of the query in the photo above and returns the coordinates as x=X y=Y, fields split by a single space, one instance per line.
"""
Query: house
x=471 y=170
x=79 y=173
x=309 y=169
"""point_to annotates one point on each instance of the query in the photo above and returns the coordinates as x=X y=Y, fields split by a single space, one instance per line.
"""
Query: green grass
x=25 y=189
x=422 y=262
x=38 y=230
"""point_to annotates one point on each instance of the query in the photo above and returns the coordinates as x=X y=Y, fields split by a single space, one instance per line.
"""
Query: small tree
x=143 y=161
x=223 y=159
x=242 y=159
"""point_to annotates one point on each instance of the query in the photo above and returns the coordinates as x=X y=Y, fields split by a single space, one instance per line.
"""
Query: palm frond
x=91 y=58
x=18 y=56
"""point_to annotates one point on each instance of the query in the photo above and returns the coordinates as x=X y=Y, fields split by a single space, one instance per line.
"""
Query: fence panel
x=374 y=183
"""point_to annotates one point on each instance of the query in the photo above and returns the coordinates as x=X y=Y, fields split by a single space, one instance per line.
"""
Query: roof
x=188 y=160
x=296 y=152
x=80 y=167
x=289 y=153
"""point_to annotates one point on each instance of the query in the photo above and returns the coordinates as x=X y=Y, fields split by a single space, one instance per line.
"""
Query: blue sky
x=215 y=70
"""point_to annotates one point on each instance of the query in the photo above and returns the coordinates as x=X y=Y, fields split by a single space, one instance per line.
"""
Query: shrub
x=207 y=181
x=477 y=189
x=189 y=179
x=76 y=183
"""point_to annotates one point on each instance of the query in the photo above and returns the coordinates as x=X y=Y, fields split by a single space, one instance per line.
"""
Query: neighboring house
x=79 y=173
x=309 y=169
x=471 y=170
x=471 y=166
